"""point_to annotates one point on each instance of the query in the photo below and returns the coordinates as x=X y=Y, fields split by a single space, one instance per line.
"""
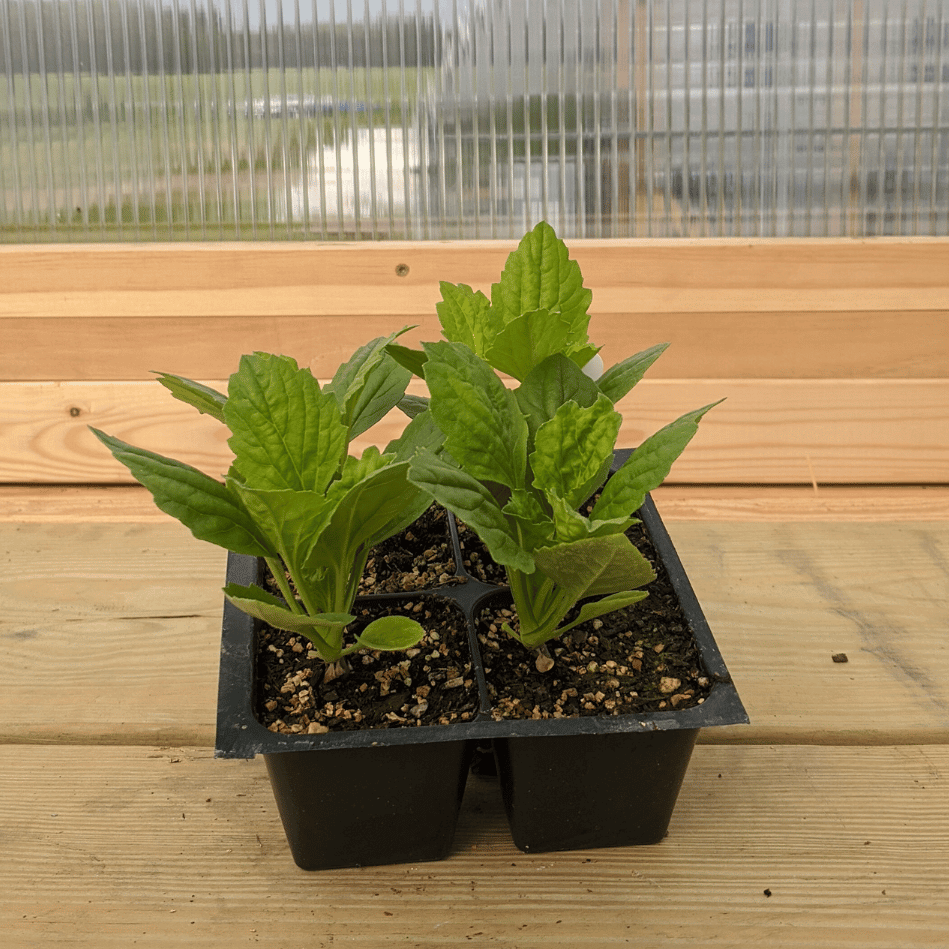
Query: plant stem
x=280 y=575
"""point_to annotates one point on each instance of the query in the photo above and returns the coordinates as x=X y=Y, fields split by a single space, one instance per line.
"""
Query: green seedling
x=518 y=463
x=294 y=495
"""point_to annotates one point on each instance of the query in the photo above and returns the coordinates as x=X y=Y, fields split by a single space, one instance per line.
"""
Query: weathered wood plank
x=118 y=625
x=849 y=344
x=767 y=431
x=118 y=504
x=112 y=846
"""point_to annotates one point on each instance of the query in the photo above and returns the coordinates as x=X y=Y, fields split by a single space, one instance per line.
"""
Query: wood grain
x=849 y=344
x=124 y=621
x=119 y=504
x=165 y=846
x=767 y=431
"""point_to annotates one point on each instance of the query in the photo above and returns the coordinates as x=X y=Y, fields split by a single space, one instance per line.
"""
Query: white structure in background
x=352 y=185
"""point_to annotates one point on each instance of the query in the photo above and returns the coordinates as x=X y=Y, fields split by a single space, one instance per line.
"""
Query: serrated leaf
x=484 y=429
x=647 y=467
x=572 y=451
x=389 y=634
x=595 y=566
x=287 y=434
x=205 y=506
x=470 y=500
x=620 y=379
x=526 y=341
x=206 y=400
x=549 y=385
x=369 y=384
x=541 y=275
x=465 y=316
x=421 y=432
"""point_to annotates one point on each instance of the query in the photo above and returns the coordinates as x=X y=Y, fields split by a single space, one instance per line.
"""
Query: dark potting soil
x=640 y=659
x=430 y=684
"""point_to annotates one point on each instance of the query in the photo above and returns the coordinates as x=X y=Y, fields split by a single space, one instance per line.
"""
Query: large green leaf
x=526 y=341
x=647 y=467
x=596 y=565
x=286 y=432
x=572 y=451
x=206 y=400
x=484 y=429
x=470 y=500
x=541 y=275
x=205 y=506
x=618 y=380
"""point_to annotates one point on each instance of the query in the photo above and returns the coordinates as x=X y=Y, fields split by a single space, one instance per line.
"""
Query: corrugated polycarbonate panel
x=431 y=119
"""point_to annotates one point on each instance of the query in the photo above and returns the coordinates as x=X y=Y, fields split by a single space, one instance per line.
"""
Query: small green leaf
x=620 y=379
x=484 y=429
x=411 y=359
x=473 y=503
x=421 y=432
x=466 y=316
x=647 y=467
x=389 y=634
x=325 y=630
x=534 y=524
x=286 y=432
x=205 y=506
x=369 y=384
x=608 y=604
x=572 y=451
x=206 y=400
x=541 y=275
x=413 y=405
x=549 y=385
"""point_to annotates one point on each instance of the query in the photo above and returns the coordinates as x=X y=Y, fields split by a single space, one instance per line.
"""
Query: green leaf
x=541 y=275
x=389 y=634
x=526 y=341
x=324 y=630
x=595 y=565
x=647 y=467
x=535 y=526
x=286 y=432
x=466 y=316
x=484 y=429
x=549 y=385
x=473 y=503
x=572 y=452
x=368 y=511
x=411 y=359
x=618 y=380
x=413 y=405
x=608 y=604
x=206 y=400
x=421 y=432
x=369 y=384
x=205 y=506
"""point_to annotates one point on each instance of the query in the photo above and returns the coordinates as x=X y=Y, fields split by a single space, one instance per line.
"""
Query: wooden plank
x=667 y=275
x=832 y=848
x=117 y=504
x=767 y=431
x=850 y=344
x=119 y=625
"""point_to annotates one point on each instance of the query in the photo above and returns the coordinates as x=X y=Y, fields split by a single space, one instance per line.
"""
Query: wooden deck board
x=777 y=431
x=165 y=846
x=124 y=621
